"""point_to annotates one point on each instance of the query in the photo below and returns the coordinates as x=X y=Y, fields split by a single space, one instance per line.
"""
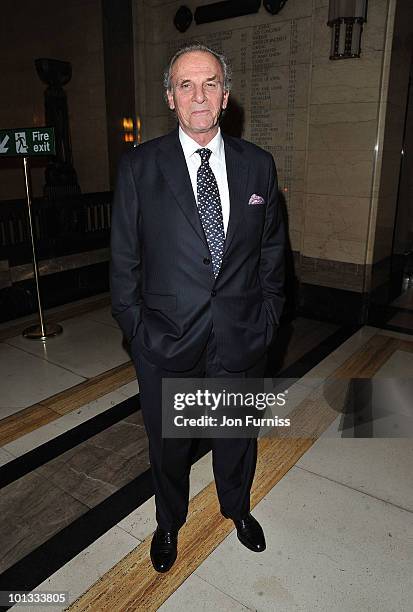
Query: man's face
x=197 y=93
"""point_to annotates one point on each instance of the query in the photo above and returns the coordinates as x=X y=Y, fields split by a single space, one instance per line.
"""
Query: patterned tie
x=210 y=210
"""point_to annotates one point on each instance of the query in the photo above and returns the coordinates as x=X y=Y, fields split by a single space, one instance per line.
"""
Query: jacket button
x=207 y=261
x=213 y=293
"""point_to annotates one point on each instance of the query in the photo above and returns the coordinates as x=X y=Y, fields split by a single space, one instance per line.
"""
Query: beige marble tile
x=349 y=251
x=48 y=432
x=206 y=596
x=336 y=227
x=130 y=389
x=340 y=173
x=294 y=395
x=377 y=467
x=337 y=218
x=102 y=315
x=344 y=126
x=322 y=370
x=321 y=33
x=88 y=566
x=5 y=457
x=296 y=239
x=295 y=203
x=345 y=82
x=86 y=347
x=35 y=438
x=399 y=365
x=356 y=340
x=328 y=548
x=26 y=379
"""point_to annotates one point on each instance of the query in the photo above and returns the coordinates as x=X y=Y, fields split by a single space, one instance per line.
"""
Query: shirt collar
x=189 y=146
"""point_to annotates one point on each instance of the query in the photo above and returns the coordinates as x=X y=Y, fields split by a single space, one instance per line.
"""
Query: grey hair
x=226 y=68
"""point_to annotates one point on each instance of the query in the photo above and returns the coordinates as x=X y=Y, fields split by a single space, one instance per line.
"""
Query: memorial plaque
x=270 y=63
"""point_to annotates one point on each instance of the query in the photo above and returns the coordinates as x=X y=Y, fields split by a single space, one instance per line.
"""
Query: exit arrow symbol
x=3 y=148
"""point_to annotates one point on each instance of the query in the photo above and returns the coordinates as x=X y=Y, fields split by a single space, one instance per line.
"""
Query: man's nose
x=199 y=94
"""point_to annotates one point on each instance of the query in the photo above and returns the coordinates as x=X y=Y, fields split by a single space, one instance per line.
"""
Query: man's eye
x=186 y=85
x=211 y=85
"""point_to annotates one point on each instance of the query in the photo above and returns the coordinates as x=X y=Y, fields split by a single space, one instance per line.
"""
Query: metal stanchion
x=41 y=331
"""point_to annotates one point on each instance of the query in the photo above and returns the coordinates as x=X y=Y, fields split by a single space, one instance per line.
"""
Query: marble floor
x=77 y=500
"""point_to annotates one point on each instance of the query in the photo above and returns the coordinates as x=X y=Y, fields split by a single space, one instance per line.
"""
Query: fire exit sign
x=26 y=142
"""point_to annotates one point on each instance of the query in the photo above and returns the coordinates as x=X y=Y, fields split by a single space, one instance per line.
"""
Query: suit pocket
x=159 y=301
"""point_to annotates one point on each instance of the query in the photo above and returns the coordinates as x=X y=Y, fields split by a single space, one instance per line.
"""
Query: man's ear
x=225 y=100
x=170 y=98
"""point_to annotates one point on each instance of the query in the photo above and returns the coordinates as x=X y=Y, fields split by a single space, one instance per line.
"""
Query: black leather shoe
x=164 y=549
x=250 y=533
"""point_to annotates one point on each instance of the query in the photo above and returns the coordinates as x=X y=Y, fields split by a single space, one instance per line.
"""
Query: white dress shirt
x=217 y=163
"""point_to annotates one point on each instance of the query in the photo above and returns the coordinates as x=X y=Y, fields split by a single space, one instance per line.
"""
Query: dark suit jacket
x=164 y=294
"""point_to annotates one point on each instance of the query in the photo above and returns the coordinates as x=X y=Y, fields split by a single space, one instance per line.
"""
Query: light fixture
x=346 y=18
x=128 y=129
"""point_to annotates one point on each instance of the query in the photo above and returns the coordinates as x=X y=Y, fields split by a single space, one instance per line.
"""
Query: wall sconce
x=128 y=129
x=346 y=18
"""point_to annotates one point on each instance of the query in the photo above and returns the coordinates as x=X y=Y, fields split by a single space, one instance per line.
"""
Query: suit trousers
x=233 y=459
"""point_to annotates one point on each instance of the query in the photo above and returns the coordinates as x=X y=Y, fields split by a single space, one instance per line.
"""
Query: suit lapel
x=172 y=162
x=237 y=175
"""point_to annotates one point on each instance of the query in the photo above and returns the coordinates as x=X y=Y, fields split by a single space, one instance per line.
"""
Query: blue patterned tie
x=210 y=210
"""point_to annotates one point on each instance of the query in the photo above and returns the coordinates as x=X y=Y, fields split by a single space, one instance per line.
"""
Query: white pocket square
x=256 y=200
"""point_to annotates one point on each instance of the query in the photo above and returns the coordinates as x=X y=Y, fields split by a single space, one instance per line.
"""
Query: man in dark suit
x=197 y=276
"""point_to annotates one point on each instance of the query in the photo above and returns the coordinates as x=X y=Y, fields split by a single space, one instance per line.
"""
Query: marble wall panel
x=339 y=173
x=295 y=237
x=336 y=227
x=294 y=202
x=324 y=273
x=345 y=82
x=343 y=126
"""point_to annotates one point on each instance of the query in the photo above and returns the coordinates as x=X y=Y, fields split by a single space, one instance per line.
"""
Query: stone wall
x=324 y=121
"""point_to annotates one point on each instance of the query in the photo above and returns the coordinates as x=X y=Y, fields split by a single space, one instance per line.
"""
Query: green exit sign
x=26 y=142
